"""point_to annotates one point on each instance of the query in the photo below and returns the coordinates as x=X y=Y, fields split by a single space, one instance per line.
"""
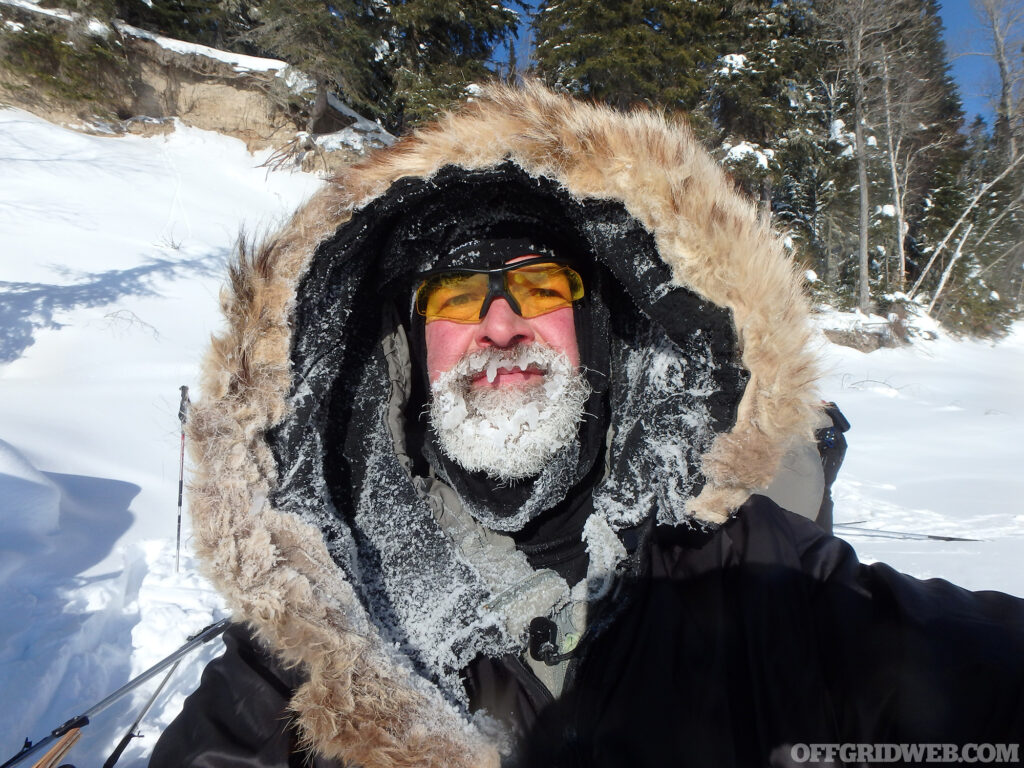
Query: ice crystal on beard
x=509 y=432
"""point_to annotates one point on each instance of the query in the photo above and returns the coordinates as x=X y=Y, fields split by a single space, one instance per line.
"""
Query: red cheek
x=446 y=343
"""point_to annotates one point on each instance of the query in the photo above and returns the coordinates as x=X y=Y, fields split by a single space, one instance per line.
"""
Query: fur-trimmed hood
x=272 y=544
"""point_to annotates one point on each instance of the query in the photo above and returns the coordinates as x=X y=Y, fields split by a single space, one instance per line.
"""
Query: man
x=477 y=471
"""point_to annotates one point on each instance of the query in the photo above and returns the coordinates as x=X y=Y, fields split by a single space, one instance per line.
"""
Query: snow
x=837 y=132
x=734 y=63
x=239 y=61
x=296 y=81
x=936 y=444
x=98 y=28
x=736 y=153
x=362 y=135
x=112 y=253
x=30 y=6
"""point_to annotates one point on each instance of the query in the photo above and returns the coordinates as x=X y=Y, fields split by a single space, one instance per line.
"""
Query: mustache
x=538 y=358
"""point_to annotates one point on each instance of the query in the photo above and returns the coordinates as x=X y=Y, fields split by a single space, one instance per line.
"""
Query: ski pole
x=131 y=734
x=82 y=720
x=183 y=418
x=851 y=529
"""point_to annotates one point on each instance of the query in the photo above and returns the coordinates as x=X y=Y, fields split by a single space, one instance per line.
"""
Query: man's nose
x=503 y=328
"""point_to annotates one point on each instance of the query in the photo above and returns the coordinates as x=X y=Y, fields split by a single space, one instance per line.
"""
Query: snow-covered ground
x=112 y=253
x=111 y=256
x=936 y=447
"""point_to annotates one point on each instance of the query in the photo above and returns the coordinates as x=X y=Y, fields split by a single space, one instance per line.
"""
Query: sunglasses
x=532 y=287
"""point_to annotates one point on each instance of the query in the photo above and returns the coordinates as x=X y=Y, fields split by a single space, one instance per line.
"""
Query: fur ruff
x=362 y=704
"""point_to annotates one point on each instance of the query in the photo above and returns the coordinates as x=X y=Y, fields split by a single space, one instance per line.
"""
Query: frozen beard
x=510 y=432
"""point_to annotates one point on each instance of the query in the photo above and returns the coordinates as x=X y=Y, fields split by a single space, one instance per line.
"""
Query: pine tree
x=331 y=41
x=970 y=271
x=432 y=49
x=757 y=92
x=628 y=52
x=816 y=196
x=981 y=294
x=916 y=115
x=215 y=24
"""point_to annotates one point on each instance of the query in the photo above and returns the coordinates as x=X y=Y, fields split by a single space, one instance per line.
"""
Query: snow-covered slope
x=111 y=257
x=112 y=253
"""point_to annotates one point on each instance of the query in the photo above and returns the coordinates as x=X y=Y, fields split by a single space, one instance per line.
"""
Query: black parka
x=731 y=648
x=381 y=624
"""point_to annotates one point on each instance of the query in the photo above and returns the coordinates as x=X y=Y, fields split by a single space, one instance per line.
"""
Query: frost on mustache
x=509 y=432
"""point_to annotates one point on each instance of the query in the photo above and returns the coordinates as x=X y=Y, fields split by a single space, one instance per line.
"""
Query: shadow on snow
x=63 y=637
x=26 y=307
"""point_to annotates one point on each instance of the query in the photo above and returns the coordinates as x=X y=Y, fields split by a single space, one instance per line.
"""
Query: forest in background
x=840 y=118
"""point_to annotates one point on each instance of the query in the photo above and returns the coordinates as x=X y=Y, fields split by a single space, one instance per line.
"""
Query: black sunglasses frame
x=496 y=283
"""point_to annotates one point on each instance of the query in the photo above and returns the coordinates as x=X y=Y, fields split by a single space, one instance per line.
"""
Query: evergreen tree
x=657 y=52
x=816 y=196
x=432 y=49
x=916 y=115
x=331 y=41
x=213 y=23
x=757 y=92
x=981 y=292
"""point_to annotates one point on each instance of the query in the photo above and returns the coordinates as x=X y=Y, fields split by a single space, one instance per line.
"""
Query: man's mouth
x=506 y=374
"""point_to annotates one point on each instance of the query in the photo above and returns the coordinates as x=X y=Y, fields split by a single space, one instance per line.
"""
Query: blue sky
x=975 y=75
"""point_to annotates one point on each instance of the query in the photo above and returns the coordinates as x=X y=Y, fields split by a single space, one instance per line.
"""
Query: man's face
x=506 y=392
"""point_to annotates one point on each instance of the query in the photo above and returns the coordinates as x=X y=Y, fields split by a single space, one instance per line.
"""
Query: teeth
x=524 y=361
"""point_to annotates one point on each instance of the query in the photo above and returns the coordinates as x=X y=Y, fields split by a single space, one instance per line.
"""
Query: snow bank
x=31 y=502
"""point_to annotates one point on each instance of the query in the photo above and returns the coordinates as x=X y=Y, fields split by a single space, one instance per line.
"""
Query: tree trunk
x=1003 y=130
x=949 y=267
x=892 y=153
x=319 y=106
x=864 y=287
